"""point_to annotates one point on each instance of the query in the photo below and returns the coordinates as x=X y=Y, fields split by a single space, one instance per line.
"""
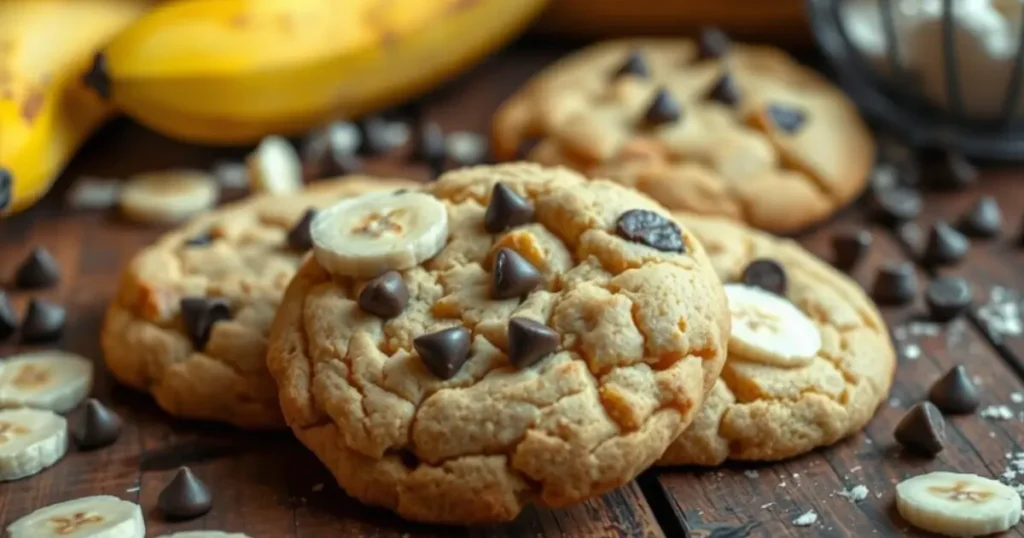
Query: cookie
x=762 y=409
x=750 y=135
x=546 y=361
x=190 y=319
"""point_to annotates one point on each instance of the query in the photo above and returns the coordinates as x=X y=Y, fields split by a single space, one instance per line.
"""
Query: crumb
x=925 y=328
x=855 y=494
x=977 y=380
x=912 y=351
x=796 y=475
x=132 y=489
x=1016 y=397
x=855 y=469
x=782 y=484
x=767 y=505
x=895 y=402
x=751 y=473
x=1001 y=314
x=997 y=412
x=318 y=486
x=806 y=519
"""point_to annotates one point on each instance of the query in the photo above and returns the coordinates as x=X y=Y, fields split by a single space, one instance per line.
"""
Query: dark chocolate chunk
x=895 y=284
x=947 y=297
x=185 y=496
x=507 y=209
x=786 y=118
x=6 y=188
x=945 y=246
x=429 y=146
x=385 y=296
x=444 y=352
x=634 y=66
x=299 y=237
x=955 y=393
x=895 y=205
x=650 y=229
x=725 y=91
x=38 y=270
x=766 y=274
x=922 y=430
x=199 y=314
x=983 y=219
x=8 y=318
x=374 y=136
x=712 y=44
x=95 y=426
x=513 y=275
x=98 y=76
x=951 y=170
x=199 y=240
x=43 y=322
x=529 y=341
x=663 y=109
x=849 y=248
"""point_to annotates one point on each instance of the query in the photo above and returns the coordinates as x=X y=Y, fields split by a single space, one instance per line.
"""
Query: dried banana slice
x=958 y=504
x=30 y=441
x=52 y=380
x=102 y=516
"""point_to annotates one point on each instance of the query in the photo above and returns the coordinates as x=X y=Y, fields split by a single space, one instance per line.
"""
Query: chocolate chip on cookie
x=947 y=297
x=725 y=91
x=385 y=296
x=8 y=317
x=185 y=496
x=299 y=237
x=895 y=284
x=766 y=274
x=922 y=430
x=199 y=314
x=945 y=246
x=712 y=44
x=96 y=426
x=445 y=351
x=983 y=219
x=200 y=239
x=850 y=247
x=954 y=392
x=43 y=322
x=663 y=109
x=507 y=209
x=650 y=229
x=38 y=270
x=635 y=65
x=786 y=118
x=529 y=341
x=513 y=275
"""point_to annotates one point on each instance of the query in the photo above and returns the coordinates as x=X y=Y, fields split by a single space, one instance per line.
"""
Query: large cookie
x=766 y=409
x=457 y=405
x=750 y=135
x=233 y=263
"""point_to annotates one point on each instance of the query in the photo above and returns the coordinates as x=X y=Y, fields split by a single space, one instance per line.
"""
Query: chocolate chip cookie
x=809 y=357
x=743 y=132
x=190 y=319
x=510 y=335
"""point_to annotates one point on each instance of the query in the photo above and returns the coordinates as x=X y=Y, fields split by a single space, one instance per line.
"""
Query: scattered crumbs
x=767 y=505
x=231 y=175
x=94 y=193
x=878 y=495
x=796 y=475
x=997 y=412
x=895 y=402
x=924 y=328
x=1001 y=314
x=319 y=486
x=1016 y=397
x=751 y=473
x=912 y=351
x=806 y=519
x=855 y=469
x=132 y=489
x=855 y=494
x=782 y=484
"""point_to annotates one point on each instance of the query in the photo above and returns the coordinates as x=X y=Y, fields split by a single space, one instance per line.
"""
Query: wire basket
x=938 y=73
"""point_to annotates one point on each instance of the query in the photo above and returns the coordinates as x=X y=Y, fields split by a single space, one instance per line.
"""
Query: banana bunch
x=230 y=72
x=45 y=110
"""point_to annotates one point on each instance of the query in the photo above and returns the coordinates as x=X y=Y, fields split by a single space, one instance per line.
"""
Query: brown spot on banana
x=32 y=104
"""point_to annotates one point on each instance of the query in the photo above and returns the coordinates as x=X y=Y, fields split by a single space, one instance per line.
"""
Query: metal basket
x=928 y=84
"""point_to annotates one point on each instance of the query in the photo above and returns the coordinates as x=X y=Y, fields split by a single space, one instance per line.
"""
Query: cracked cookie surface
x=641 y=338
x=760 y=411
x=778 y=147
x=240 y=253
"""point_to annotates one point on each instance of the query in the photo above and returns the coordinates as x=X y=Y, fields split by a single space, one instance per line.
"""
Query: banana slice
x=957 y=504
x=204 y=534
x=101 y=516
x=30 y=441
x=768 y=329
x=275 y=166
x=368 y=235
x=52 y=380
x=168 y=197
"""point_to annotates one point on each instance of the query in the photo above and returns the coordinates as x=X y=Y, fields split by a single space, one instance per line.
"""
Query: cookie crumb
x=895 y=402
x=767 y=505
x=855 y=494
x=132 y=489
x=912 y=351
x=750 y=473
x=997 y=412
x=806 y=519
x=1001 y=314
x=1016 y=397
x=855 y=469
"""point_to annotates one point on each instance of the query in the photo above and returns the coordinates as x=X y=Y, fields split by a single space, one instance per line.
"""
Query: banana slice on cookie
x=958 y=504
x=52 y=380
x=30 y=441
x=767 y=328
x=369 y=235
x=168 y=197
x=102 y=516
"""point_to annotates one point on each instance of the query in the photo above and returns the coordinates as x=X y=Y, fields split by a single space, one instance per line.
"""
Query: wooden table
x=269 y=487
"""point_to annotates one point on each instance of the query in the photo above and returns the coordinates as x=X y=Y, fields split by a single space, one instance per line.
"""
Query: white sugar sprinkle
x=997 y=412
x=855 y=494
x=806 y=519
x=750 y=473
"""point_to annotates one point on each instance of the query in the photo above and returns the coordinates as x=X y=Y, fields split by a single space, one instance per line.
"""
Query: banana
x=30 y=441
x=957 y=504
x=371 y=234
x=768 y=329
x=45 y=110
x=102 y=516
x=275 y=167
x=169 y=196
x=52 y=380
x=234 y=71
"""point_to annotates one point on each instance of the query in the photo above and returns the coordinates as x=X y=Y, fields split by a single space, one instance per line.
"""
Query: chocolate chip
x=895 y=205
x=429 y=146
x=513 y=275
x=185 y=496
x=951 y=170
x=200 y=314
x=199 y=240
x=444 y=352
x=663 y=109
x=947 y=297
x=712 y=44
x=945 y=246
x=299 y=237
x=983 y=219
x=8 y=318
x=385 y=296
x=506 y=209
x=98 y=77
x=38 y=270
x=634 y=66
x=650 y=229
x=6 y=188
x=330 y=152
x=725 y=91
x=43 y=322
x=955 y=393
x=95 y=426
x=922 y=430
x=766 y=274
x=895 y=284
x=529 y=341
x=849 y=248
x=785 y=118
x=374 y=136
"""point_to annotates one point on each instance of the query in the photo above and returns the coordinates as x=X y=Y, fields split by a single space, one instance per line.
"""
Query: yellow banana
x=45 y=110
x=233 y=71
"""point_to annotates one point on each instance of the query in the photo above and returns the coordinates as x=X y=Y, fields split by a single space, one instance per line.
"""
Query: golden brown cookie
x=764 y=408
x=546 y=351
x=228 y=269
x=750 y=135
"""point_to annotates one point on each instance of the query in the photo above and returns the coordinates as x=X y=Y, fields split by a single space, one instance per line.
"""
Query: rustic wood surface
x=268 y=486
